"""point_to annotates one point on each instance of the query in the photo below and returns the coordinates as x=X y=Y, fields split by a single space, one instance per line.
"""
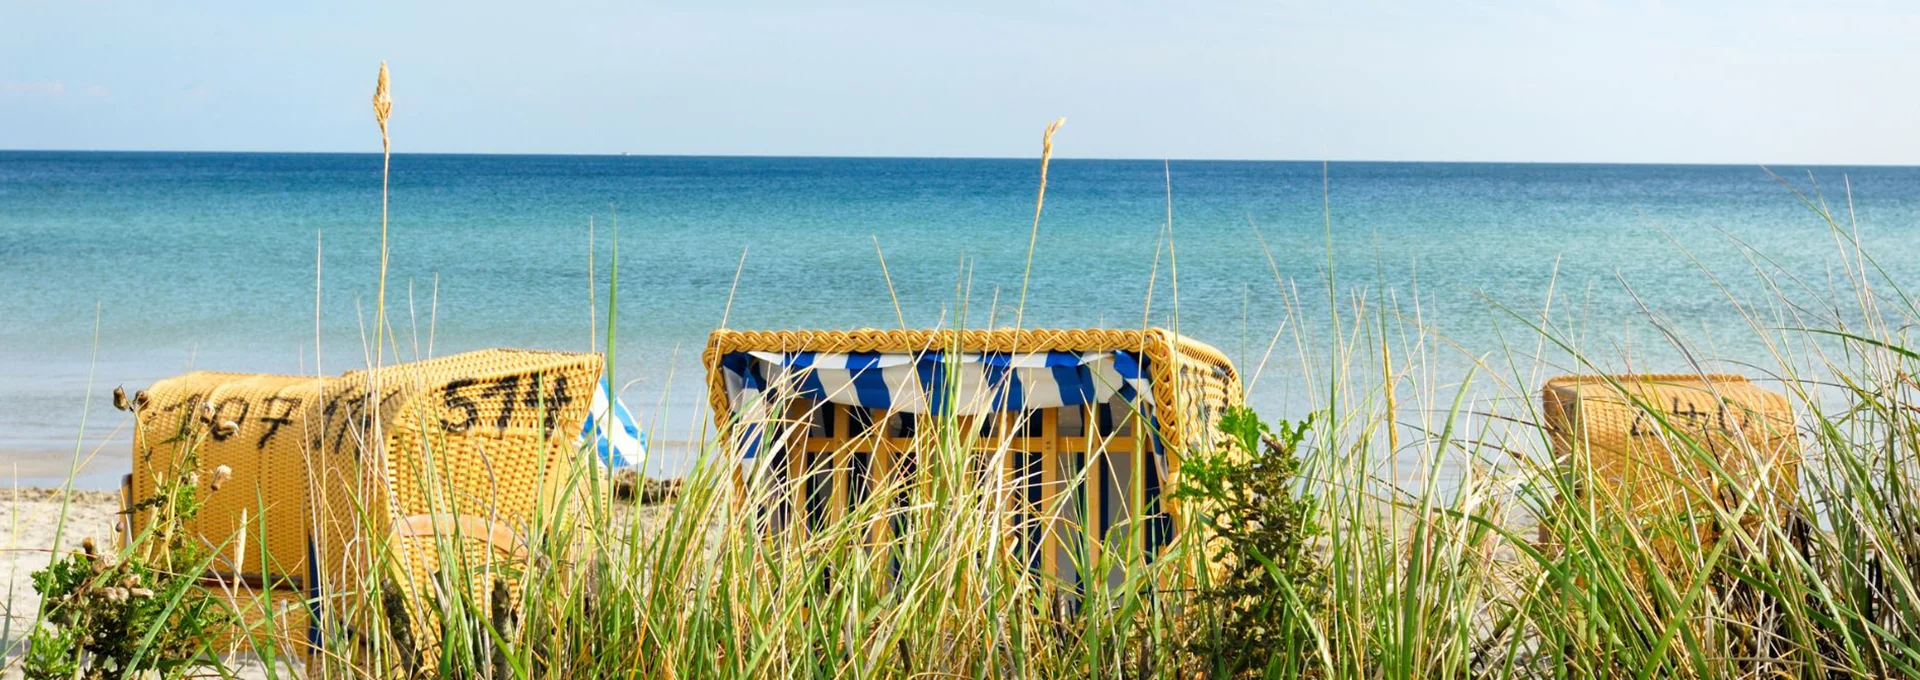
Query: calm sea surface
x=123 y=268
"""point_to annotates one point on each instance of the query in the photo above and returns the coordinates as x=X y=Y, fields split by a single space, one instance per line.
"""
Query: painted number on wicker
x=274 y=422
x=497 y=400
x=1645 y=426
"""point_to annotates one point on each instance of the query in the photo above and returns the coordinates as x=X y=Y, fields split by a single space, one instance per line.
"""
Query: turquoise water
x=185 y=261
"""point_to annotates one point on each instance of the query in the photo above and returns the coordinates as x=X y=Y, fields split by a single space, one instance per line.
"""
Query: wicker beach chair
x=256 y=520
x=470 y=459
x=471 y=464
x=1626 y=444
x=1110 y=410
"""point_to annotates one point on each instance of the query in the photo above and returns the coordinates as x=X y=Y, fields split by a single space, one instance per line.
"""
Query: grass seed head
x=1046 y=140
x=382 y=102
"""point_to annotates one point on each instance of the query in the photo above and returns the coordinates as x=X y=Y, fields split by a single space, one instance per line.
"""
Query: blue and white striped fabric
x=930 y=382
x=619 y=440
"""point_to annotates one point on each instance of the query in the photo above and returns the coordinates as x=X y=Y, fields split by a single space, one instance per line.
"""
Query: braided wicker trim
x=1559 y=395
x=1639 y=378
x=1165 y=351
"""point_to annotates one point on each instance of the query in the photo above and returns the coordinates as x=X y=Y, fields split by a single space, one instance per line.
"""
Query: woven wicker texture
x=1648 y=470
x=484 y=439
x=254 y=425
x=1190 y=374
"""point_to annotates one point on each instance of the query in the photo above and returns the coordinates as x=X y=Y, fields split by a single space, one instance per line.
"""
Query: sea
x=120 y=269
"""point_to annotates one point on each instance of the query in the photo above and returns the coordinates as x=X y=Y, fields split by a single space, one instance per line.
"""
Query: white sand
x=33 y=517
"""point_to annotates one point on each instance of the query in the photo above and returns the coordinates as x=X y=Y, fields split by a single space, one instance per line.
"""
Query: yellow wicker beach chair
x=1607 y=433
x=250 y=424
x=475 y=453
x=1110 y=410
x=252 y=429
x=338 y=493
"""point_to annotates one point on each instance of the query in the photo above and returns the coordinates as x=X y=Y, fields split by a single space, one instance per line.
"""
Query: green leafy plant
x=1260 y=609
x=110 y=615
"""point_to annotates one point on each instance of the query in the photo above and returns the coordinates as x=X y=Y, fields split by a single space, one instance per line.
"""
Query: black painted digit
x=458 y=402
x=317 y=437
x=192 y=401
x=354 y=414
x=505 y=388
x=345 y=422
x=1692 y=412
x=548 y=401
x=538 y=402
x=219 y=416
x=556 y=401
x=533 y=398
x=274 y=423
x=1732 y=421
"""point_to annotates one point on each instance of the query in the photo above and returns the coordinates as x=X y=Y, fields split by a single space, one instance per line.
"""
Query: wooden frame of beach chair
x=1189 y=383
x=851 y=450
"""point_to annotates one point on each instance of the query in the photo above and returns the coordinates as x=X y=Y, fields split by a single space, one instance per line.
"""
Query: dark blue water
x=184 y=261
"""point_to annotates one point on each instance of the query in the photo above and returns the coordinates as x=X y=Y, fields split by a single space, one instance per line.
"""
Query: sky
x=1763 y=81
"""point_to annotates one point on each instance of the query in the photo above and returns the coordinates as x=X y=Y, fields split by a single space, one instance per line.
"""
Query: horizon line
x=959 y=158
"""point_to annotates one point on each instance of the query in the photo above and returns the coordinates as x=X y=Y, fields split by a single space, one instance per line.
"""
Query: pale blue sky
x=1735 y=82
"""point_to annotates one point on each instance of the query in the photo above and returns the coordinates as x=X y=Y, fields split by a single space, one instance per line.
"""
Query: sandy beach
x=33 y=522
x=33 y=519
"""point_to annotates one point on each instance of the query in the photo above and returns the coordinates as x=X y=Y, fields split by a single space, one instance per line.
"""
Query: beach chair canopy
x=930 y=382
x=938 y=383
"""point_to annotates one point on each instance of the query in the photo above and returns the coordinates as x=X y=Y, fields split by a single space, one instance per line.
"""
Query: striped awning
x=938 y=383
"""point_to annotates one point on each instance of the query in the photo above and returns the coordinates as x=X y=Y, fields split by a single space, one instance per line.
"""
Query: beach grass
x=1425 y=573
x=1427 y=494
x=1450 y=543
